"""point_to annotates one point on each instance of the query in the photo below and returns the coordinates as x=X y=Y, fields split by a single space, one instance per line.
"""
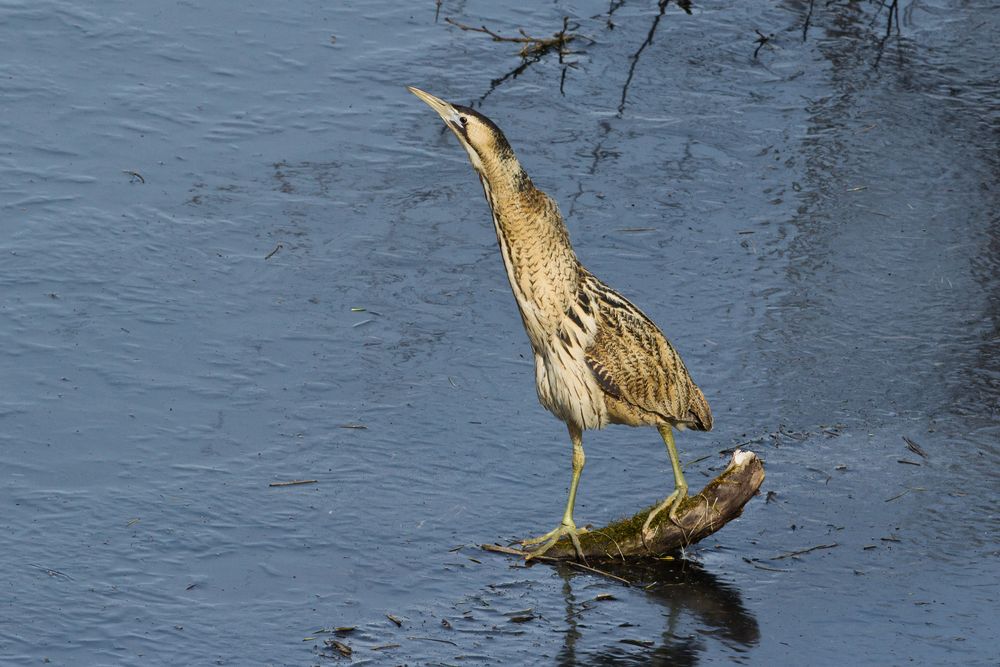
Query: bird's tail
x=699 y=414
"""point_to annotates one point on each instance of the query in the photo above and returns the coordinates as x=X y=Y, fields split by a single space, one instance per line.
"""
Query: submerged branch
x=533 y=46
x=721 y=501
x=532 y=49
x=662 y=4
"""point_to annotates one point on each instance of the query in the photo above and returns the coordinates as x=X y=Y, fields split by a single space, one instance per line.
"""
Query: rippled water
x=300 y=251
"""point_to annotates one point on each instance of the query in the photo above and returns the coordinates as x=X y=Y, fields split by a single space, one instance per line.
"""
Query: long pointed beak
x=447 y=112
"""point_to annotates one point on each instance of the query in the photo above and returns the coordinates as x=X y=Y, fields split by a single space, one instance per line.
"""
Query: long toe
x=553 y=536
x=669 y=502
x=541 y=538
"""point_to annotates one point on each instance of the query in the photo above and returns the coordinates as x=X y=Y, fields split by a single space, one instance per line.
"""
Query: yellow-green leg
x=675 y=499
x=567 y=527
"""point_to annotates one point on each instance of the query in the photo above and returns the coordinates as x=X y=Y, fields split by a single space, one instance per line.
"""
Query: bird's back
x=644 y=380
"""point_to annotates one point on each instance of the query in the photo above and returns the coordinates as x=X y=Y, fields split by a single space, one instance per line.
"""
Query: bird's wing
x=634 y=362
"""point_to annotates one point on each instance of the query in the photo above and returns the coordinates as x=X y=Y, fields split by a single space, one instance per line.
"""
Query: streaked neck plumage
x=542 y=268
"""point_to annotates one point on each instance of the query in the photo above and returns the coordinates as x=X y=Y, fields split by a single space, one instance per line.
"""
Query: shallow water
x=815 y=228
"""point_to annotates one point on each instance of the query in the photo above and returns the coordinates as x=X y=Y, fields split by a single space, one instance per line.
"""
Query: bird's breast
x=565 y=383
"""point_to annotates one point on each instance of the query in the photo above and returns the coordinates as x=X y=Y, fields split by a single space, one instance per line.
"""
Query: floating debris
x=761 y=40
x=914 y=447
x=432 y=639
x=49 y=571
x=395 y=619
x=753 y=561
x=341 y=647
x=531 y=46
x=900 y=495
x=295 y=482
x=790 y=554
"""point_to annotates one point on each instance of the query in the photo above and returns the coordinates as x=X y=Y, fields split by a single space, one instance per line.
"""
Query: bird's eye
x=463 y=120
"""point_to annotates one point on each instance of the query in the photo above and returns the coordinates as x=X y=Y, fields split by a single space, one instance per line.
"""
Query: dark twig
x=273 y=252
x=513 y=74
x=762 y=39
x=662 y=4
x=612 y=8
x=532 y=49
x=134 y=175
x=898 y=495
x=49 y=571
x=915 y=448
x=432 y=639
x=296 y=482
x=805 y=551
x=594 y=570
x=893 y=12
x=496 y=548
x=533 y=46
x=805 y=25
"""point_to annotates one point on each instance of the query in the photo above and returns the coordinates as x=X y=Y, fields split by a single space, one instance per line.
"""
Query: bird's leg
x=675 y=499
x=567 y=527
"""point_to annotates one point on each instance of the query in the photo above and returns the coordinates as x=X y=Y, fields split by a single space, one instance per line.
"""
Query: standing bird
x=598 y=359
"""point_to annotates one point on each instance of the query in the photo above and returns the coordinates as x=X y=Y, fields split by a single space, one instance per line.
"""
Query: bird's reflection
x=699 y=608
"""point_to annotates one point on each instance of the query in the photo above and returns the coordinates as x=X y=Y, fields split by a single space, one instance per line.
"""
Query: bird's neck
x=542 y=268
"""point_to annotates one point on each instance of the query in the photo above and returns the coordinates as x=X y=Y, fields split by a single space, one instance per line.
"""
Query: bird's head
x=479 y=136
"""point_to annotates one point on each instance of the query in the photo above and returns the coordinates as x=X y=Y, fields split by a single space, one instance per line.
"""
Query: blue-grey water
x=301 y=251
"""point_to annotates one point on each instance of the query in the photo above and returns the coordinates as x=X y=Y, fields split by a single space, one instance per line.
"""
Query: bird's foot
x=673 y=501
x=550 y=538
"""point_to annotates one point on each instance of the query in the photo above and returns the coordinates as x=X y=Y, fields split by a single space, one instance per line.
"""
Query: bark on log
x=698 y=517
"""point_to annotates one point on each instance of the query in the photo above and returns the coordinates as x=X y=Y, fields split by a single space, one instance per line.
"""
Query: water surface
x=302 y=251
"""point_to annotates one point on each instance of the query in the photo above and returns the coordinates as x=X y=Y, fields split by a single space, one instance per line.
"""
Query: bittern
x=598 y=359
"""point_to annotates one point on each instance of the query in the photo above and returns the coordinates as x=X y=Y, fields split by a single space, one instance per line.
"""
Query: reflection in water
x=690 y=595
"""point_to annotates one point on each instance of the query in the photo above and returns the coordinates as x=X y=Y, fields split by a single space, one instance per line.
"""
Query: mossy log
x=700 y=515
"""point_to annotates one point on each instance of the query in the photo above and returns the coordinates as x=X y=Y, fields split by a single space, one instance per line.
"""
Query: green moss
x=627 y=532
